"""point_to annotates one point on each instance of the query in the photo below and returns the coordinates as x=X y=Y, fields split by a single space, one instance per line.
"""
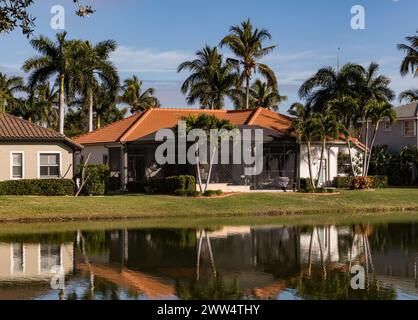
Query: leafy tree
x=206 y=123
x=410 y=61
x=409 y=95
x=137 y=99
x=211 y=79
x=57 y=60
x=94 y=68
x=9 y=87
x=42 y=106
x=264 y=95
x=247 y=45
x=14 y=14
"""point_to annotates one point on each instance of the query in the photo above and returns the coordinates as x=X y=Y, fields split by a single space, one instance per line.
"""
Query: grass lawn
x=348 y=203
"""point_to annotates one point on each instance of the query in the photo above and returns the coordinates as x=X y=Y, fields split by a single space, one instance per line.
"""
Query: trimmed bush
x=306 y=185
x=361 y=183
x=380 y=182
x=342 y=182
x=178 y=185
x=47 y=187
x=98 y=178
x=212 y=193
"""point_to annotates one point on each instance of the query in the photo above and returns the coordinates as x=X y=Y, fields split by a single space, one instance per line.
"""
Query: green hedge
x=98 y=179
x=378 y=182
x=180 y=185
x=306 y=185
x=47 y=187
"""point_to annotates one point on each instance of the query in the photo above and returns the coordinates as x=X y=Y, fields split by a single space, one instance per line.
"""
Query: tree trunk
x=3 y=105
x=321 y=164
x=371 y=147
x=98 y=121
x=61 y=104
x=308 y=143
x=90 y=102
x=210 y=169
x=247 y=94
x=199 y=177
x=350 y=154
x=367 y=148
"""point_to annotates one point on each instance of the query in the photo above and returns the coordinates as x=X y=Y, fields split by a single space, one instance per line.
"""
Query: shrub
x=380 y=182
x=47 y=187
x=361 y=183
x=306 y=185
x=194 y=194
x=342 y=182
x=98 y=178
x=211 y=193
x=178 y=185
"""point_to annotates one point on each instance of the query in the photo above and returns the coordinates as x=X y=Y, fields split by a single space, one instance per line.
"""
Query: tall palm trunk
x=61 y=104
x=210 y=168
x=90 y=106
x=3 y=105
x=247 y=94
x=99 y=124
x=367 y=148
x=199 y=176
x=350 y=154
x=376 y=128
x=308 y=143
x=321 y=163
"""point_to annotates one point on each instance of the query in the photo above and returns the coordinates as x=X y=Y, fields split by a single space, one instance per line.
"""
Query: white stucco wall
x=96 y=153
x=331 y=159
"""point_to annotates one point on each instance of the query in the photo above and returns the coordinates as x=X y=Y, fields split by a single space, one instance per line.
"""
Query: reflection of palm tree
x=203 y=233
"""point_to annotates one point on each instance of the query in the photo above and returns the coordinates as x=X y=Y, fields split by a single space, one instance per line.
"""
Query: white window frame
x=12 y=261
x=11 y=164
x=415 y=129
x=39 y=163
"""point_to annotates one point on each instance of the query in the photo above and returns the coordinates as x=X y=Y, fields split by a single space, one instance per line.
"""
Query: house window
x=17 y=165
x=344 y=164
x=409 y=128
x=388 y=126
x=18 y=258
x=49 y=165
x=50 y=257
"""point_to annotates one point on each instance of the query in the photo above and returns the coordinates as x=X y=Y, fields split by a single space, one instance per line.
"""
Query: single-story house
x=128 y=147
x=29 y=151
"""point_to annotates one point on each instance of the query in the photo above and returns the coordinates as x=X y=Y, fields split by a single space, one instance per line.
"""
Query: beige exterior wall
x=31 y=161
x=96 y=153
x=32 y=261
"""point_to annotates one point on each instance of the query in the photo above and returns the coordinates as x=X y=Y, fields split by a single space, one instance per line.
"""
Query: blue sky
x=154 y=36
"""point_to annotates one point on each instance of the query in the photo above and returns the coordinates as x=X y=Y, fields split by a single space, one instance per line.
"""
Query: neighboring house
x=401 y=133
x=128 y=147
x=29 y=151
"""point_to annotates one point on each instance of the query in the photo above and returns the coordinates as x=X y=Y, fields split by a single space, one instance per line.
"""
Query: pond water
x=230 y=262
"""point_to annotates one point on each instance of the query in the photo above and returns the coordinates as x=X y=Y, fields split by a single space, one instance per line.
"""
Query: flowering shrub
x=361 y=183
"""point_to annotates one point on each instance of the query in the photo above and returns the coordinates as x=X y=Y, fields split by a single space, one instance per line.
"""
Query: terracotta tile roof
x=16 y=129
x=142 y=124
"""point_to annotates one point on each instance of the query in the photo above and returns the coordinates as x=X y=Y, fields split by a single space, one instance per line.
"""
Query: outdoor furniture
x=281 y=182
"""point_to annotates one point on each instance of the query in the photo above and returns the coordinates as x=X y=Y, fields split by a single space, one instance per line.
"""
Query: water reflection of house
x=20 y=261
x=320 y=244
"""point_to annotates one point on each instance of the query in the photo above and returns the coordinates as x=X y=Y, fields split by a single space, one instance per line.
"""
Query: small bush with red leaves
x=361 y=183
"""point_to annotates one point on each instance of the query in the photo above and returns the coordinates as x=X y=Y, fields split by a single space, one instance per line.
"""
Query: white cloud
x=148 y=60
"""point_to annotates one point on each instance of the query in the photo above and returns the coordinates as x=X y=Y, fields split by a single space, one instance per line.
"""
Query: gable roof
x=145 y=123
x=14 y=129
x=407 y=110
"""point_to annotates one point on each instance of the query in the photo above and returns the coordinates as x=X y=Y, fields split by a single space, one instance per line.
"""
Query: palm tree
x=57 y=59
x=247 y=45
x=106 y=109
x=9 y=86
x=206 y=122
x=409 y=95
x=211 y=79
x=264 y=95
x=372 y=89
x=378 y=111
x=410 y=62
x=42 y=106
x=328 y=84
x=133 y=96
x=94 y=68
